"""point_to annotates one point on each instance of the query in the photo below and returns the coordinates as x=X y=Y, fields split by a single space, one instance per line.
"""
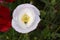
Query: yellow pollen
x=25 y=18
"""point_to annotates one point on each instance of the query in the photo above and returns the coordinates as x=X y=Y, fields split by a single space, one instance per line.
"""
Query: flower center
x=25 y=18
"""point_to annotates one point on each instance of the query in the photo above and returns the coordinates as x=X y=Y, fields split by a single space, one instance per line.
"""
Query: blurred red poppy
x=5 y=19
x=9 y=0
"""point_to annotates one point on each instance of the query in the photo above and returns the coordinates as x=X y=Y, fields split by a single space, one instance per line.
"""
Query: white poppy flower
x=25 y=18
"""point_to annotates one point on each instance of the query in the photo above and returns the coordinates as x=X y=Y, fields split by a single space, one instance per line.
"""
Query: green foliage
x=49 y=27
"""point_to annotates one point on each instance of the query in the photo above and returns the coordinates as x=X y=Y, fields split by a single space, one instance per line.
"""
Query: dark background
x=49 y=26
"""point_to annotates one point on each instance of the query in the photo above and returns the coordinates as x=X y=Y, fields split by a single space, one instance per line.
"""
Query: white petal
x=27 y=30
x=20 y=7
x=30 y=13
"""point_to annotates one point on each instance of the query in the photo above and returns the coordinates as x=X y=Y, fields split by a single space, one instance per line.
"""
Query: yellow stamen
x=25 y=18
